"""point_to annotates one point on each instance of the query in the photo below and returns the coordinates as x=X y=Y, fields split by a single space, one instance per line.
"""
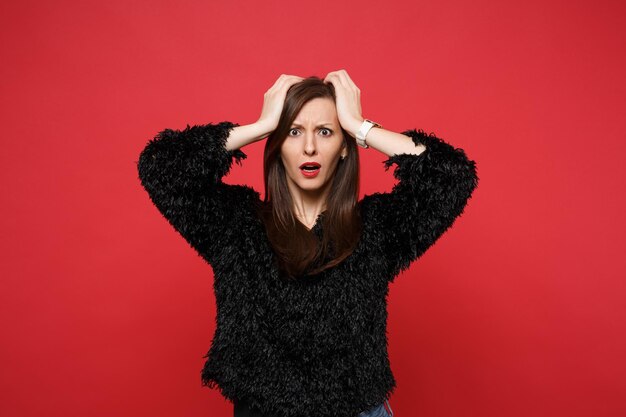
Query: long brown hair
x=299 y=251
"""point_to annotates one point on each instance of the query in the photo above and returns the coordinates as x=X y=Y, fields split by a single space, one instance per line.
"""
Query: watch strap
x=366 y=126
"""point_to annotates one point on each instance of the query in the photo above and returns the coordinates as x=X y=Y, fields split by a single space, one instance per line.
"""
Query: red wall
x=517 y=311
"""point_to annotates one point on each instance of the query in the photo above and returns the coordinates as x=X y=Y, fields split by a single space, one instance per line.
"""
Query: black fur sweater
x=316 y=346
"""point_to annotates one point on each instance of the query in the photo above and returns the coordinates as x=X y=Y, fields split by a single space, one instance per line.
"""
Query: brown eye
x=330 y=132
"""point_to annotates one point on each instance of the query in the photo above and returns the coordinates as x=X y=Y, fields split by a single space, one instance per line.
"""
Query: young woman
x=301 y=277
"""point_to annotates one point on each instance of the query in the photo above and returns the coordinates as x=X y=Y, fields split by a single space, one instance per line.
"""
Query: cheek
x=288 y=153
x=287 y=161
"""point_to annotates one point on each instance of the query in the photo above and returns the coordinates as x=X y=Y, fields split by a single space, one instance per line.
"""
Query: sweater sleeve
x=182 y=173
x=433 y=190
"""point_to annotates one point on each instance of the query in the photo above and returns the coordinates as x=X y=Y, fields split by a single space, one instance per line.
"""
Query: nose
x=310 y=147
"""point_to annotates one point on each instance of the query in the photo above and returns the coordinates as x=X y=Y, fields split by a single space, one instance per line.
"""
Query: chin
x=310 y=185
x=310 y=188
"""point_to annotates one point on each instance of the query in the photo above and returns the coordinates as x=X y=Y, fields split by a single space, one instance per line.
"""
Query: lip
x=313 y=173
x=310 y=163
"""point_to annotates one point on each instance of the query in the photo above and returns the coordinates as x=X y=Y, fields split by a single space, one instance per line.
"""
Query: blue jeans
x=378 y=411
x=242 y=409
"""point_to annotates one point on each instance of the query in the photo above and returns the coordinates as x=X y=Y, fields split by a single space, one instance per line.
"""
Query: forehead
x=318 y=110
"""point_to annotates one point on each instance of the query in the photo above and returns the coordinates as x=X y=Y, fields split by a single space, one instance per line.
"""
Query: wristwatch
x=365 y=127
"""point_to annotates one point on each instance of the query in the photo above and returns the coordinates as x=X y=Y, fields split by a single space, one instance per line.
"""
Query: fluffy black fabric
x=317 y=346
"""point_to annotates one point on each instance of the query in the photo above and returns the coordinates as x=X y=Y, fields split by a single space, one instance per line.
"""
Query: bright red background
x=517 y=311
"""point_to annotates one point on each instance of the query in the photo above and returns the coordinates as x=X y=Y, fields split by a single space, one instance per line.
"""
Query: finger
x=285 y=80
x=278 y=81
x=349 y=80
x=336 y=79
x=284 y=84
x=342 y=80
x=293 y=79
x=286 y=77
x=330 y=76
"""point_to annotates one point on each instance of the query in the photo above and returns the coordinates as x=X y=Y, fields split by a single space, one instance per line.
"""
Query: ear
x=344 y=151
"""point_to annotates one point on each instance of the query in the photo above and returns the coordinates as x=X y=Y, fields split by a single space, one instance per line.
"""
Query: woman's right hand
x=274 y=100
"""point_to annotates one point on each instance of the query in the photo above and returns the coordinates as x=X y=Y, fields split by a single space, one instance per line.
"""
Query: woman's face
x=316 y=137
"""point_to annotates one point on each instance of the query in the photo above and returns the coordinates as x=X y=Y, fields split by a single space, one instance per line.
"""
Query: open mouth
x=310 y=169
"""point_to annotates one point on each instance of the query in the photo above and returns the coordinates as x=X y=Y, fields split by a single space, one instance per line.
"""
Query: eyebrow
x=321 y=125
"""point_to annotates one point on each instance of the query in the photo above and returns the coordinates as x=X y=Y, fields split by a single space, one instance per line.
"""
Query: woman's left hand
x=348 y=100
